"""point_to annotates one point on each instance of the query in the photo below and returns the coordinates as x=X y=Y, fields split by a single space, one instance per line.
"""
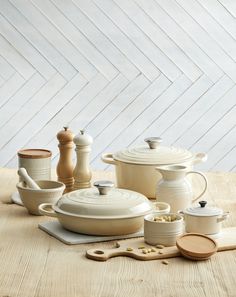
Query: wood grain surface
x=34 y=264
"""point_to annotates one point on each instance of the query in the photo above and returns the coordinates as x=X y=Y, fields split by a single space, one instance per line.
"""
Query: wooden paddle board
x=134 y=248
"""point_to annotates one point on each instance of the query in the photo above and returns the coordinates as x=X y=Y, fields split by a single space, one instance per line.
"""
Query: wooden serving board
x=227 y=241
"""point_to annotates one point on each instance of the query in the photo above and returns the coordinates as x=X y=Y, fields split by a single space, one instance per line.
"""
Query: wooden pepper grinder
x=65 y=166
x=82 y=173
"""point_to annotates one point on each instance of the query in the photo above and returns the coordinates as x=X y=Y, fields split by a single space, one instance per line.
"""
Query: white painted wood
x=215 y=30
x=200 y=36
x=118 y=38
x=76 y=38
x=20 y=98
x=124 y=119
x=15 y=59
x=174 y=111
x=197 y=109
x=101 y=42
x=65 y=116
x=48 y=51
x=50 y=33
x=25 y=49
x=110 y=112
x=230 y=5
x=158 y=58
x=14 y=83
x=121 y=69
x=137 y=126
x=28 y=121
x=181 y=38
x=6 y=70
x=161 y=40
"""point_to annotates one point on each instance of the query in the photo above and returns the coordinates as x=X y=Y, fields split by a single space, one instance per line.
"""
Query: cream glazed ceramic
x=37 y=162
x=102 y=211
x=135 y=166
x=49 y=192
x=164 y=233
x=174 y=187
x=82 y=172
x=202 y=219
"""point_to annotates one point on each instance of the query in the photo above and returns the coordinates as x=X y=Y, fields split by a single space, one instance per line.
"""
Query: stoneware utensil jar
x=37 y=162
x=174 y=187
x=203 y=219
x=164 y=233
x=135 y=166
x=102 y=211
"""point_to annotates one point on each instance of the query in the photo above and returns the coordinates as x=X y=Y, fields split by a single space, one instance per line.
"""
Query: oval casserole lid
x=153 y=154
x=117 y=203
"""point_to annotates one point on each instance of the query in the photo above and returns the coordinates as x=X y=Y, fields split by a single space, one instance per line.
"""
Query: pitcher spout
x=172 y=172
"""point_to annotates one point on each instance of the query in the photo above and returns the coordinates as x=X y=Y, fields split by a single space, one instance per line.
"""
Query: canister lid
x=34 y=153
x=153 y=154
x=203 y=211
x=196 y=246
x=103 y=202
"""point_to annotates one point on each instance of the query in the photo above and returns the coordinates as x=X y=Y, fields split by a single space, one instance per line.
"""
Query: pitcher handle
x=205 y=180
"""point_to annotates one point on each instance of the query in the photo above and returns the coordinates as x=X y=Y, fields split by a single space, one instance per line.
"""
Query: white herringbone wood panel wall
x=121 y=69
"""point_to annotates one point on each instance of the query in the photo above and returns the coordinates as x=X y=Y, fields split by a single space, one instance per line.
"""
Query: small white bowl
x=164 y=233
x=161 y=207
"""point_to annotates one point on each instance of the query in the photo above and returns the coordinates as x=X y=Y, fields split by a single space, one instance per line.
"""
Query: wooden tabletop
x=32 y=263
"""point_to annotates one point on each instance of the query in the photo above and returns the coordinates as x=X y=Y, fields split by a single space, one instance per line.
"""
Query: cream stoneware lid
x=203 y=211
x=153 y=154
x=103 y=202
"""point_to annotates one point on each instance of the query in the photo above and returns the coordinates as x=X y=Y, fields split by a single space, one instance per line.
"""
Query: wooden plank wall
x=121 y=69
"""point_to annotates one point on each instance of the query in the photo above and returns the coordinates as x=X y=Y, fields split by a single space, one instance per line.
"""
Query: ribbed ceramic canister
x=165 y=233
x=37 y=162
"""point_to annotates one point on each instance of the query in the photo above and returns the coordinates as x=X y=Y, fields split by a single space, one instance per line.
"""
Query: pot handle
x=108 y=158
x=205 y=181
x=200 y=158
x=223 y=217
x=46 y=209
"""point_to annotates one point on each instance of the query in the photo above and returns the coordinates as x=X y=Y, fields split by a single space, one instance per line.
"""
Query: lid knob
x=153 y=142
x=104 y=186
x=203 y=203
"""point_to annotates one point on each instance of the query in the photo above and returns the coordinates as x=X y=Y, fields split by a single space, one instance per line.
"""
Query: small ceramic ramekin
x=164 y=233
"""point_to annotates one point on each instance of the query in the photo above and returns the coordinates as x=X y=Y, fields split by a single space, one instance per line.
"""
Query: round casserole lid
x=103 y=202
x=203 y=211
x=153 y=154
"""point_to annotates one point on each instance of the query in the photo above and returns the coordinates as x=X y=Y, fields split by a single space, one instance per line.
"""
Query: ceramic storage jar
x=37 y=162
x=163 y=229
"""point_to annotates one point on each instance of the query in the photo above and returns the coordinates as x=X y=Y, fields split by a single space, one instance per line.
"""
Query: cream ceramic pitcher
x=174 y=187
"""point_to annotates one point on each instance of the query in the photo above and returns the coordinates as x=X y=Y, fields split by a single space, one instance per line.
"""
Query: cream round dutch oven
x=203 y=219
x=135 y=167
x=102 y=211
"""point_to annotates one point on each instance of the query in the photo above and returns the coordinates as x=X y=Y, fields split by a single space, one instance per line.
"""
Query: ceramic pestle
x=26 y=178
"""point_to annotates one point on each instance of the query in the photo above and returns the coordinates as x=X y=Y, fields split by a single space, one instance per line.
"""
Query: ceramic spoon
x=26 y=178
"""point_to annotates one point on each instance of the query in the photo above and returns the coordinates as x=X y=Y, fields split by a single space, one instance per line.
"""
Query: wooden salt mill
x=82 y=173
x=65 y=166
